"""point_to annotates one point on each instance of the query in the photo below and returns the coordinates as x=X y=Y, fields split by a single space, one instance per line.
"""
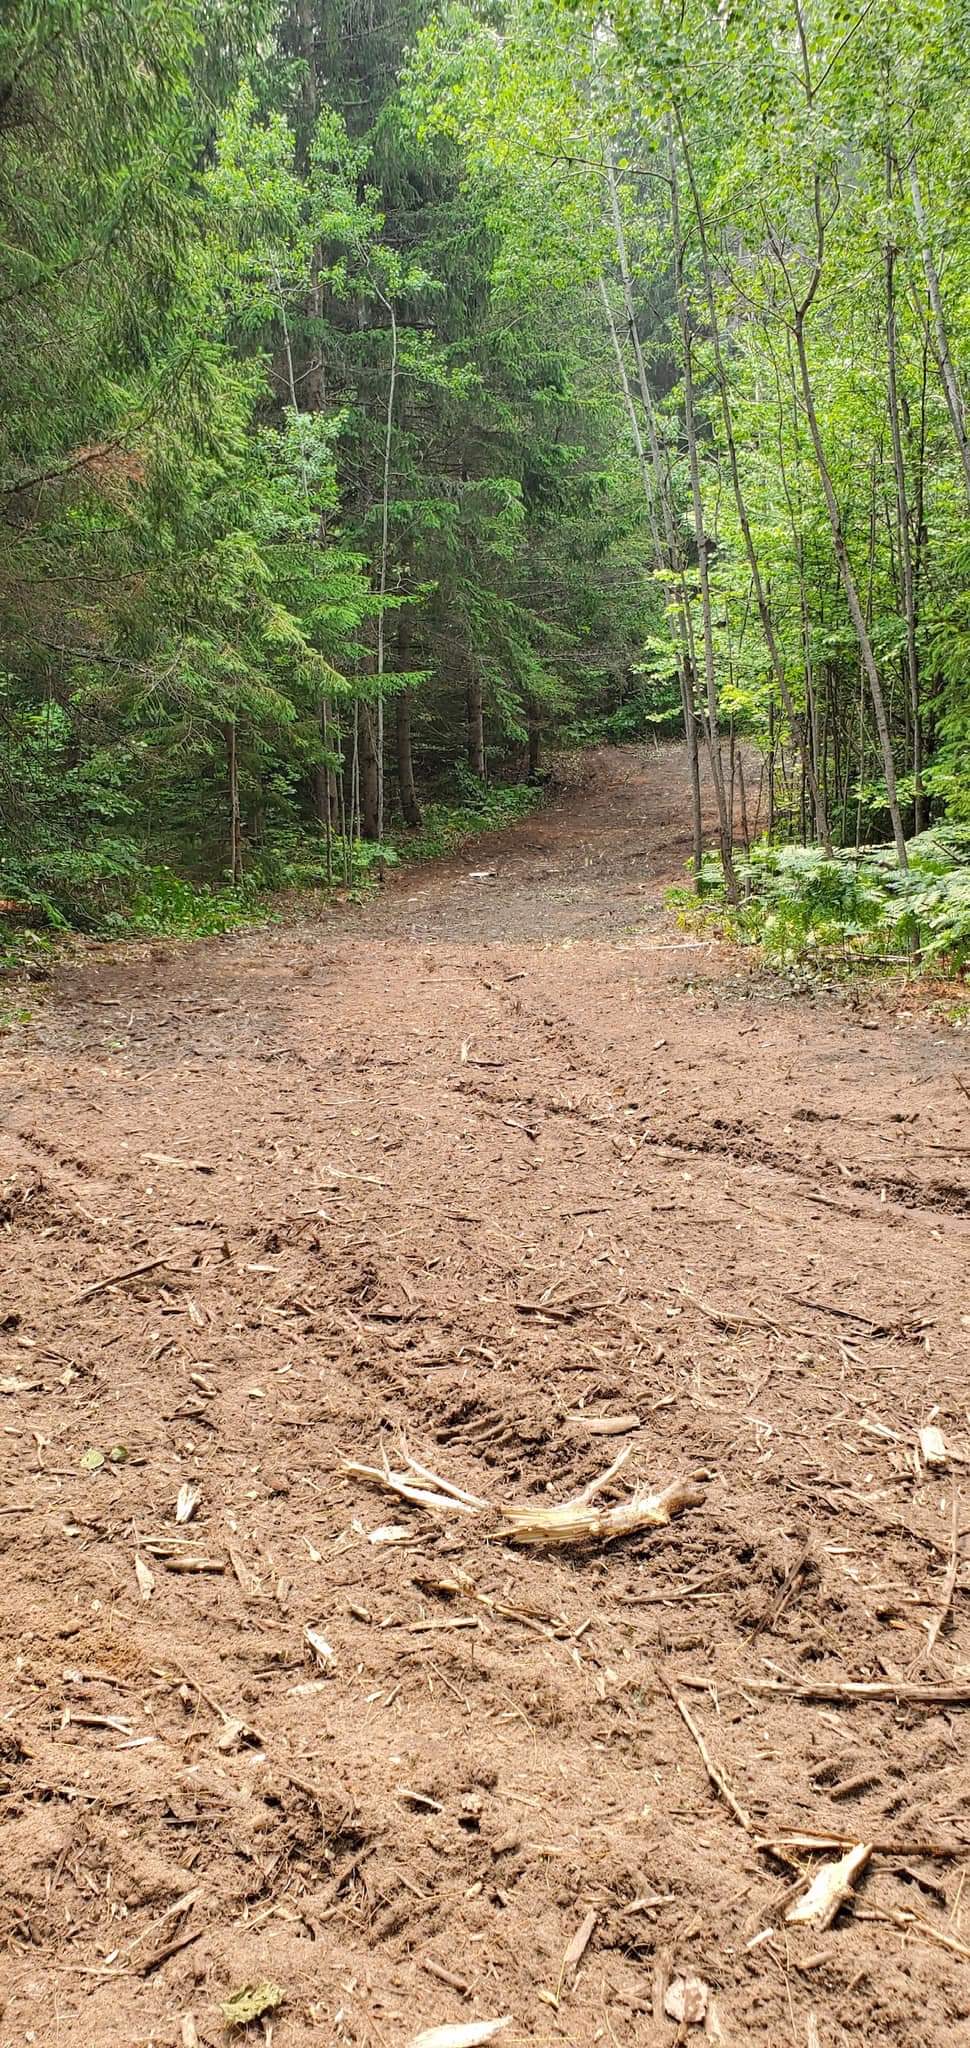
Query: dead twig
x=573 y=1521
x=940 y=1617
x=900 y=1916
x=715 y=1774
x=774 y=1612
x=905 y=1691
x=130 y=1273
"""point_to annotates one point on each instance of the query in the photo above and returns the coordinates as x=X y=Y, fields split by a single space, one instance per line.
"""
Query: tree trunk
x=475 y=712
x=954 y=400
x=659 y=510
x=685 y=674
x=902 y=525
x=369 y=785
x=795 y=719
x=410 y=807
x=235 y=823
x=700 y=536
x=851 y=592
x=535 y=742
x=382 y=580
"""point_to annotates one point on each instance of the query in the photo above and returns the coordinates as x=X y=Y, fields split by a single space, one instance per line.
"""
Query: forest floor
x=475 y=1166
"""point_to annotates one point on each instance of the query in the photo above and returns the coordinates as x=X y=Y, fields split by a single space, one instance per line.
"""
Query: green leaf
x=250 y=2002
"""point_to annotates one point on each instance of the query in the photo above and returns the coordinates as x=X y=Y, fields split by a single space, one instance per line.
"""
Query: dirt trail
x=476 y=1165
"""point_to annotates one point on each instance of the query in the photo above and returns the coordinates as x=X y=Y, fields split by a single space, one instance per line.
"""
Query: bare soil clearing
x=490 y=1165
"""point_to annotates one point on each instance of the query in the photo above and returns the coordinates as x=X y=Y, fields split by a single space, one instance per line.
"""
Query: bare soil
x=475 y=1166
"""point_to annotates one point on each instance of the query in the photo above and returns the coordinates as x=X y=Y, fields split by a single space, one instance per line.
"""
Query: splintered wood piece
x=576 y=1950
x=909 y=1692
x=472 y=2035
x=188 y=1500
x=145 y=1577
x=577 y=1521
x=400 y=1484
x=572 y=1521
x=932 y=1446
x=829 y=1889
x=322 y=1650
x=949 y=1584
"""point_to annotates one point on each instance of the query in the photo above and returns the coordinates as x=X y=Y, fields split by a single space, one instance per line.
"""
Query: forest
x=396 y=396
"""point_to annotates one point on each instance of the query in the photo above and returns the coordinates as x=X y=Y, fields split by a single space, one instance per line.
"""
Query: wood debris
x=169 y=1159
x=145 y=1577
x=188 y=1500
x=907 y=1691
x=472 y=2035
x=829 y=1889
x=685 y=2000
x=941 y=1616
x=322 y=1650
x=604 y=1425
x=574 y=1521
x=932 y=1446
x=576 y=1951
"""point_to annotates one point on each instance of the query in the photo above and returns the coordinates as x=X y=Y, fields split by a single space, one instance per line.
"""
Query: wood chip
x=145 y=1577
x=473 y=2035
x=932 y=1447
x=188 y=1500
x=322 y=1650
x=605 y=1425
x=576 y=1950
x=829 y=1889
x=686 y=2000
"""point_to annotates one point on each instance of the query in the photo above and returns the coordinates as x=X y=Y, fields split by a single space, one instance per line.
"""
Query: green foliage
x=483 y=808
x=321 y=395
x=801 y=905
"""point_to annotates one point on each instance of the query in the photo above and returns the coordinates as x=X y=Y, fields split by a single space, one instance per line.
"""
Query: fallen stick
x=907 y=1692
x=572 y=1521
x=115 y=1279
x=898 y=1916
x=717 y=1777
x=885 y=1847
x=774 y=1612
x=949 y=1583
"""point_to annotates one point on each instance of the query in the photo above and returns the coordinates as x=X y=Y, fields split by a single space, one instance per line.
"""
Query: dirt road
x=476 y=1167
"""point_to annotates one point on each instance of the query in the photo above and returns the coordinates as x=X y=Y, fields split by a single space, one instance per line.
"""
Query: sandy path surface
x=504 y=1168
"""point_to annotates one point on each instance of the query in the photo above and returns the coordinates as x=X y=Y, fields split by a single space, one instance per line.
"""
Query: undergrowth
x=116 y=894
x=841 y=911
x=446 y=827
